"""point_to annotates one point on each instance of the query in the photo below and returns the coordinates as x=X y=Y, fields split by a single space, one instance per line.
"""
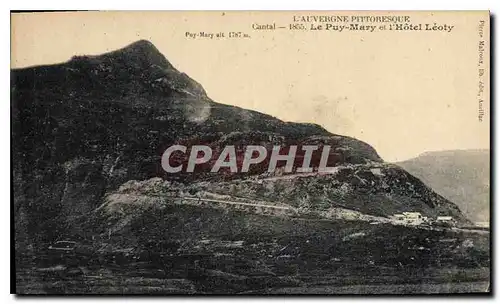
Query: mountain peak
x=142 y=43
x=141 y=54
x=142 y=50
x=140 y=47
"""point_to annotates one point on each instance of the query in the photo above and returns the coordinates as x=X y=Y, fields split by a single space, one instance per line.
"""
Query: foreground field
x=179 y=249
x=206 y=281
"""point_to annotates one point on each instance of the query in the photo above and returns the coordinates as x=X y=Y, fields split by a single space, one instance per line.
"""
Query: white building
x=409 y=218
x=448 y=220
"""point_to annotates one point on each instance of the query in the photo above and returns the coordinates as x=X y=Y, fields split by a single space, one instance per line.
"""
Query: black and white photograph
x=250 y=153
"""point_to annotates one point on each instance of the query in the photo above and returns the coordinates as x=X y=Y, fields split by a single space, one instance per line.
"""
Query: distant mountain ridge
x=84 y=127
x=462 y=176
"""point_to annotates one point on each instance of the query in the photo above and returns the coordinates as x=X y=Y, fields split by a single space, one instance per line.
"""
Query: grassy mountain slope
x=461 y=176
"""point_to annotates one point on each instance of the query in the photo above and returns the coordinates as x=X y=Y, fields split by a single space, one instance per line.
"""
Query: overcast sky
x=404 y=93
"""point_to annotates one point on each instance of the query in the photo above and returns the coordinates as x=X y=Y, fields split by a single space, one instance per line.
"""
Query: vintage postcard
x=251 y=152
